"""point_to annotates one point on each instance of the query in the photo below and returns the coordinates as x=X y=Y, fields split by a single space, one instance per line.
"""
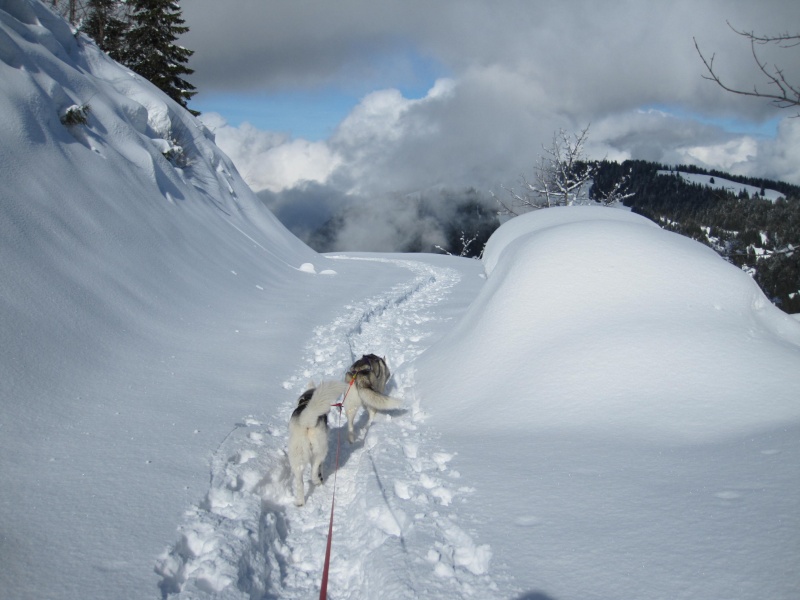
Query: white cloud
x=484 y=131
x=383 y=140
x=295 y=162
x=517 y=72
x=272 y=161
x=725 y=156
x=778 y=158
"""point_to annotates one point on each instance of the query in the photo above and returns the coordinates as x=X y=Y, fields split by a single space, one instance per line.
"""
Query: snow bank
x=594 y=318
x=135 y=264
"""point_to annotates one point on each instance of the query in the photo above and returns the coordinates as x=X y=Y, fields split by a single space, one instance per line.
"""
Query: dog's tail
x=321 y=400
x=378 y=401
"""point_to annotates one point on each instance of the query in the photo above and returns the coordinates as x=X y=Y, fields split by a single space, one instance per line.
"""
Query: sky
x=393 y=97
x=596 y=409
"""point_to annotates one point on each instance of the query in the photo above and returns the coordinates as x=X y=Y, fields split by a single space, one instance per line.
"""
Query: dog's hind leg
x=316 y=471
x=351 y=434
x=298 y=457
x=350 y=410
x=299 y=492
x=371 y=412
x=319 y=450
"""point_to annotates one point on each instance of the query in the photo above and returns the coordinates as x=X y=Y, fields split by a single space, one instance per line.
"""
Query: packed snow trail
x=396 y=533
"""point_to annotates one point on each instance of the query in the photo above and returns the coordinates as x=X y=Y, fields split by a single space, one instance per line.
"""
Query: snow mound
x=597 y=319
x=543 y=219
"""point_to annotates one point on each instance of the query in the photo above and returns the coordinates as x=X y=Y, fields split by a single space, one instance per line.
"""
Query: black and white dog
x=368 y=376
x=308 y=433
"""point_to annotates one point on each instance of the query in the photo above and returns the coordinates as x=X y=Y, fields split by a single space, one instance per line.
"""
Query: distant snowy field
x=597 y=409
x=720 y=183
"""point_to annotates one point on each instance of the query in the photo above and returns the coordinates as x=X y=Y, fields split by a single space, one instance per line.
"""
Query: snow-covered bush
x=562 y=177
x=75 y=115
x=176 y=155
x=172 y=151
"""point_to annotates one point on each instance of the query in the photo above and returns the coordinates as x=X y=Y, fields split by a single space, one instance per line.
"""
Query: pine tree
x=152 y=52
x=107 y=23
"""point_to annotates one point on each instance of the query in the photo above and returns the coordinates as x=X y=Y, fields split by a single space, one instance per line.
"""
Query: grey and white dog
x=368 y=376
x=308 y=433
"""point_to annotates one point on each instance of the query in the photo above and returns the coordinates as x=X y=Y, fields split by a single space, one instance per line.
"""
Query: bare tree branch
x=783 y=93
x=784 y=40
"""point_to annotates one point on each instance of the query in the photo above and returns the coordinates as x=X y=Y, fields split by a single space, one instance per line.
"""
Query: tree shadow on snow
x=534 y=596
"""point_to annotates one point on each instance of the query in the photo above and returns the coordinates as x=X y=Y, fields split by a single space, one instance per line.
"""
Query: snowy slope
x=599 y=409
x=122 y=276
x=720 y=183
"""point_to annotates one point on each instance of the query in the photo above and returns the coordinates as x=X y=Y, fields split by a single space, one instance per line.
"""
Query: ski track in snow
x=396 y=516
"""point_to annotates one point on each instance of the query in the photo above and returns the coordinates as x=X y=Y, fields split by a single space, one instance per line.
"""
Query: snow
x=619 y=305
x=597 y=409
x=720 y=183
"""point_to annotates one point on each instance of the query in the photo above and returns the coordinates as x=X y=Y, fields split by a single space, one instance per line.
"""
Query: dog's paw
x=316 y=478
x=299 y=501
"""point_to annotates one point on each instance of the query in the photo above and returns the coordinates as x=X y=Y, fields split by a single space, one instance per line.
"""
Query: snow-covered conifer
x=152 y=51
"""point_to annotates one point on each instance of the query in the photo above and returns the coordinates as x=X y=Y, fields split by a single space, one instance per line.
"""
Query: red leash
x=323 y=588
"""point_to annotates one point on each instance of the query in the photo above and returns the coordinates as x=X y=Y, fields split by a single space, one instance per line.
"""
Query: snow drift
x=597 y=319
